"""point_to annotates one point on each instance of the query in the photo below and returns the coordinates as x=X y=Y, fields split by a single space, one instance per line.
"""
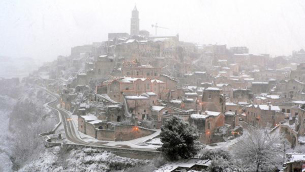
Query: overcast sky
x=44 y=29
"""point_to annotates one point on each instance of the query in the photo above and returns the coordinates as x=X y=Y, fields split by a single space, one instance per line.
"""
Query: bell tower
x=134 y=24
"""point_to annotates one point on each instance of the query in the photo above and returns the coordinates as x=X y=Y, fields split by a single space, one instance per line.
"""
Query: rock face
x=23 y=116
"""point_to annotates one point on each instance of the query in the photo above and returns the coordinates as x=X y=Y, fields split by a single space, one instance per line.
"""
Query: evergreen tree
x=179 y=139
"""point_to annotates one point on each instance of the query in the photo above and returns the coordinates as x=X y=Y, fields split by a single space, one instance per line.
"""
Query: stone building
x=135 y=69
x=139 y=106
x=231 y=119
x=207 y=123
x=292 y=89
x=195 y=78
x=108 y=131
x=239 y=50
x=227 y=90
x=299 y=73
x=264 y=115
x=131 y=86
x=103 y=67
x=294 y=129
x=294 y=162
x=242 y=95
x=213 y=100
x=260 y=87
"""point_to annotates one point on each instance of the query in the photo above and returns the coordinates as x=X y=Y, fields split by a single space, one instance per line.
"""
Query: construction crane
x=156 y=28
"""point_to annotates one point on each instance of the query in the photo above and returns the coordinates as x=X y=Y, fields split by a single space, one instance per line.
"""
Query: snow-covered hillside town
x=139 y=101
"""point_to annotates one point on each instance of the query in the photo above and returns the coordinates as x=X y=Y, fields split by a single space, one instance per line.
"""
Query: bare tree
x=260 y=150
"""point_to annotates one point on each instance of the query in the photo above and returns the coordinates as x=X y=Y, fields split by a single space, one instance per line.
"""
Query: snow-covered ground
x=137 y=143
x=86 y=159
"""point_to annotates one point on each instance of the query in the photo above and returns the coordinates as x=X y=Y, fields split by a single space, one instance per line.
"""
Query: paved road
x=71 y=134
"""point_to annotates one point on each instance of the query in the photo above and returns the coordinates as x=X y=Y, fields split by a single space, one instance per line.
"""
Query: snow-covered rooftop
x=267 y=107
x=259 y=83
x=176 y=101
x=136 y=97
x=221 y=85
x=191 y=94
x=151 y=93
x=95 y=122
x=130 y=41
x=296 y=158
x=230 y=104
x=205 y=115
x=212 y=113
x=158 y=81
x=130 y=80
x=299 y=102
x=273 y=96
x=89 y=117
x=230 y=113
x=243 y=103
x=169 y=167
x=212 y=89
x=157 y=108
x=198 y=116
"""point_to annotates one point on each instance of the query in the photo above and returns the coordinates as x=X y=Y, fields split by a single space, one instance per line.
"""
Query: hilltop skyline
x=46 y=29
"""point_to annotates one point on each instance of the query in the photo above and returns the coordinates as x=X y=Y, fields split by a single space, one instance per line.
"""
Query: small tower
x=134 y=24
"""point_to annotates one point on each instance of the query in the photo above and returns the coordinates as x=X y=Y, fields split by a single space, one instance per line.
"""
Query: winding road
x=71 y=134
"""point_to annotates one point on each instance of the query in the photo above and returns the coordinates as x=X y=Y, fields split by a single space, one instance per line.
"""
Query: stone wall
x=81 y=125
x=90 y=130
x=122 y=133
x=130 y=132
x=108 y=135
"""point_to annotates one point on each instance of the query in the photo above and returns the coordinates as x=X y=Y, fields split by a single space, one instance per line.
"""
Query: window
x=148 y=74
x=283 y=110
x=137 y=72
x=119 y=119
x=288 y=110
x=210 y=96
x=155 y=74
